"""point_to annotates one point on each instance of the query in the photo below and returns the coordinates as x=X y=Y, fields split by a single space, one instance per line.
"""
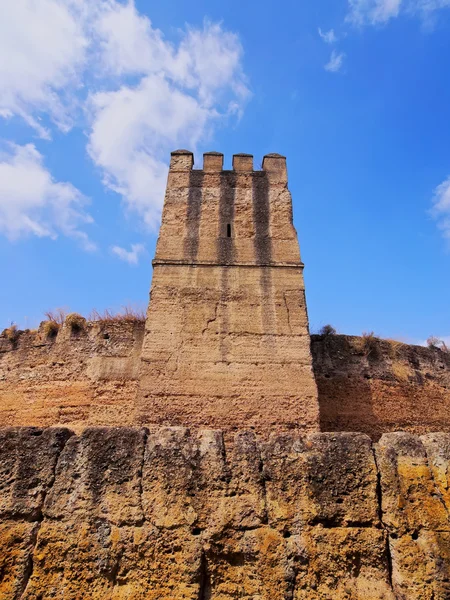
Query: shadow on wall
x=375 y=386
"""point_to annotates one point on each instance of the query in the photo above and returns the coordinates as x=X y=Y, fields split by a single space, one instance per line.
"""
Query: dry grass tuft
x=11 y=333
x=394 y=347
x=126 y=315
x=75 y=321
x=401 y=371
x=57 y=316
x=436 y=343
x=367 y=344
x=50 y=328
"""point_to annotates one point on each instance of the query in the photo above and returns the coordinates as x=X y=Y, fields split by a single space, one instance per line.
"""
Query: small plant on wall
x=436 y=343
x=55 y=319
x=75 y=322
x=327 y=330
x=11 y=333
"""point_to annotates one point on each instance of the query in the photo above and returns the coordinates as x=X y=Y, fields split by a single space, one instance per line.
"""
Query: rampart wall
x=90 y=378
x=121 y=513
x=376 y=386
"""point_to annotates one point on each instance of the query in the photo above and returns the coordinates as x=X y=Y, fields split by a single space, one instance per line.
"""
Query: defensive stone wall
x=133 y=513
x=376 y=386
x=227 y=338
x=82 y=377
x=90 y=378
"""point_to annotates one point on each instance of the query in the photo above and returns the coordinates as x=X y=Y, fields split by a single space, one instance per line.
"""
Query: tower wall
x=227 y=340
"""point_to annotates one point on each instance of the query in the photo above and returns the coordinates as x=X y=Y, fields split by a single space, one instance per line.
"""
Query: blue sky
x=356 y=94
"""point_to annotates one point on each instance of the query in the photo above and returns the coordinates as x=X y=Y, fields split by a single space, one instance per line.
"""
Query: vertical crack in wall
x=28 y=573
x=214 y=318
x=287 y=312
x=112 y=573
x=204 y=589
x=262 y=475
x=224 y=322
x=379 y=494
x=291 y=583
x=140 y=476
x=437 y=490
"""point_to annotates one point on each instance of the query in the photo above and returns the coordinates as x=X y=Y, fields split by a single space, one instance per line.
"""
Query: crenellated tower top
x=231 y=217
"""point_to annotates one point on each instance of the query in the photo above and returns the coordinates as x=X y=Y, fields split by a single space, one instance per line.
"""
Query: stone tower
x=227 y=342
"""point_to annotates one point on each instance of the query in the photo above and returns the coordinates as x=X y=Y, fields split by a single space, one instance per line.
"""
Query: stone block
x=28 y=458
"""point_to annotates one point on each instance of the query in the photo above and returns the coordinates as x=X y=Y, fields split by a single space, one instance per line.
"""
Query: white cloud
x=441 y=207
x=129 y=256
x=209 y=60
x=31 y=202
x=336 y=61
x=329 y=37
x=128 y=43
x=141 y=95
x=180 y=94
x=132 y=132
x=431 y=5
x=42 y=46
x=373 y=12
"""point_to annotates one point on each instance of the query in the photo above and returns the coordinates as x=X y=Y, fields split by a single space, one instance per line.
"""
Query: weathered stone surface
x=341 y=562
x=333 y=481
x=28 y=459
x=73 y=379
x=99 y=473
x=410 y=497
x=17 y=542
x=227 y=338
x=415 y=515
x=169 y=513
x=92 y=381
x=437 y=446
x=378 y=386
x=421 y=565
x=88 y=515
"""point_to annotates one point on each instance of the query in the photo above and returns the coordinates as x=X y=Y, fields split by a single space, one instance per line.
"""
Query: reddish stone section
x=77 y=377
x=226 y=340
x=90 y=378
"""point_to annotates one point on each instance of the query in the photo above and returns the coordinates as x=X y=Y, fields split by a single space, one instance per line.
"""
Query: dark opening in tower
x=229 y=230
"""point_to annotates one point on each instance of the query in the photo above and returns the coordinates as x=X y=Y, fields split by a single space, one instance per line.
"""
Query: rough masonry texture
x=80 y=378
x=90 y=377
x=226 y=336
x=132 y=513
